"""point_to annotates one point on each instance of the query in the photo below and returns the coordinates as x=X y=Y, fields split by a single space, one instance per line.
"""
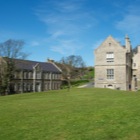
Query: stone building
x=136 y=70
x=33 y=76
x=113 y=65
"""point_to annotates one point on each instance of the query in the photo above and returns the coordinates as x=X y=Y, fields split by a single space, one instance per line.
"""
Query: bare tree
x=12 y=49
x=75 y=61
x=9 y=50
x=75 y=64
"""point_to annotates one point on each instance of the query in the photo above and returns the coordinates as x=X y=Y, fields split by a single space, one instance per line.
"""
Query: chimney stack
x=127 y=43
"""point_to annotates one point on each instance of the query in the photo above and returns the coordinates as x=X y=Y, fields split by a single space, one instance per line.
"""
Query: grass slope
x=80 y=114
x=89 y=74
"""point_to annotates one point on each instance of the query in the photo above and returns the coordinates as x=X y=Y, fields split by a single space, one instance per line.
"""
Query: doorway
x=38 y=87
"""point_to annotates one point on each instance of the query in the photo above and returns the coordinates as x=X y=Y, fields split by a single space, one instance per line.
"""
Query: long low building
x=33 y=76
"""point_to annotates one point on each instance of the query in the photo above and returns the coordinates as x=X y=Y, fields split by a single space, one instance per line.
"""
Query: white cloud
x=68 y=6
x=34 y=43
x=66 y=47
x=130 y=23
x=66 y=20
x=131 y=20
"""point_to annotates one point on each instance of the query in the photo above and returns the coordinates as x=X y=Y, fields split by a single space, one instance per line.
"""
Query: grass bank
x=78 y=114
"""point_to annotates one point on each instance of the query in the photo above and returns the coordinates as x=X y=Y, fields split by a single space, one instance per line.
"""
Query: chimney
x=50 y=60
x=138 y=48
x=127 y=43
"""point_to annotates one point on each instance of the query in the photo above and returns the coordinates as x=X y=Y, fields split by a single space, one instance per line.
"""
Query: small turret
x=128 y=44
x=138 y=48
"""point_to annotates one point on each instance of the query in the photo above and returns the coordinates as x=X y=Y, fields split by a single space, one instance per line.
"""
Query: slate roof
x=28 y=65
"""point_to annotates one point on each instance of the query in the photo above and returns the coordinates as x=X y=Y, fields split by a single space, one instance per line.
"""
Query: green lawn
x=80 y=114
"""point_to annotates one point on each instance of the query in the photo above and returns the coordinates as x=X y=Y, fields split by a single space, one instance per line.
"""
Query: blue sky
x=59 y=28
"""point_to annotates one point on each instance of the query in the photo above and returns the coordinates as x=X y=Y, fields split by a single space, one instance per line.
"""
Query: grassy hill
x=89 y=74
x=80 y=114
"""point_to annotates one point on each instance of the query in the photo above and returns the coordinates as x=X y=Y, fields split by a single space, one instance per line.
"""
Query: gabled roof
x=28 y=65
x=110 y=39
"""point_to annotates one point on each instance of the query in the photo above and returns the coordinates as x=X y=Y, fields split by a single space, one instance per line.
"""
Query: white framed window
x=110 y=73
x=109 y=57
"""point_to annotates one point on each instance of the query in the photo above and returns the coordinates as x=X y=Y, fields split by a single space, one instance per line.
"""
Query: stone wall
x=121 y=65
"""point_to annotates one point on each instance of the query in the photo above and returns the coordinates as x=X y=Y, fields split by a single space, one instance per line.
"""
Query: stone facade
x=136 y=70
x=113 y=65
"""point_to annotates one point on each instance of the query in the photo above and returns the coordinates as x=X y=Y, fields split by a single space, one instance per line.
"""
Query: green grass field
x=80 y=114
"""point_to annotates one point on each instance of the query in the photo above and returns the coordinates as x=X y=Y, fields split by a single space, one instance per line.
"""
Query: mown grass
x=78 y=114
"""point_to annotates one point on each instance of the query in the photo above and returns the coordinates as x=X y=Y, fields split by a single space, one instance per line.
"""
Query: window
x=28 y=87
x=38 y=75
x=24 y=86
x=31 y=87
x=18 y=75
x=30 y=75
x=110 y=73
x=110 y=57
x=135 y=78
x=52 y=76
x=134 y=64
x=18 y=86
x=25 y=75
x=15 y=87
x=59 y=76
x=46 y=75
